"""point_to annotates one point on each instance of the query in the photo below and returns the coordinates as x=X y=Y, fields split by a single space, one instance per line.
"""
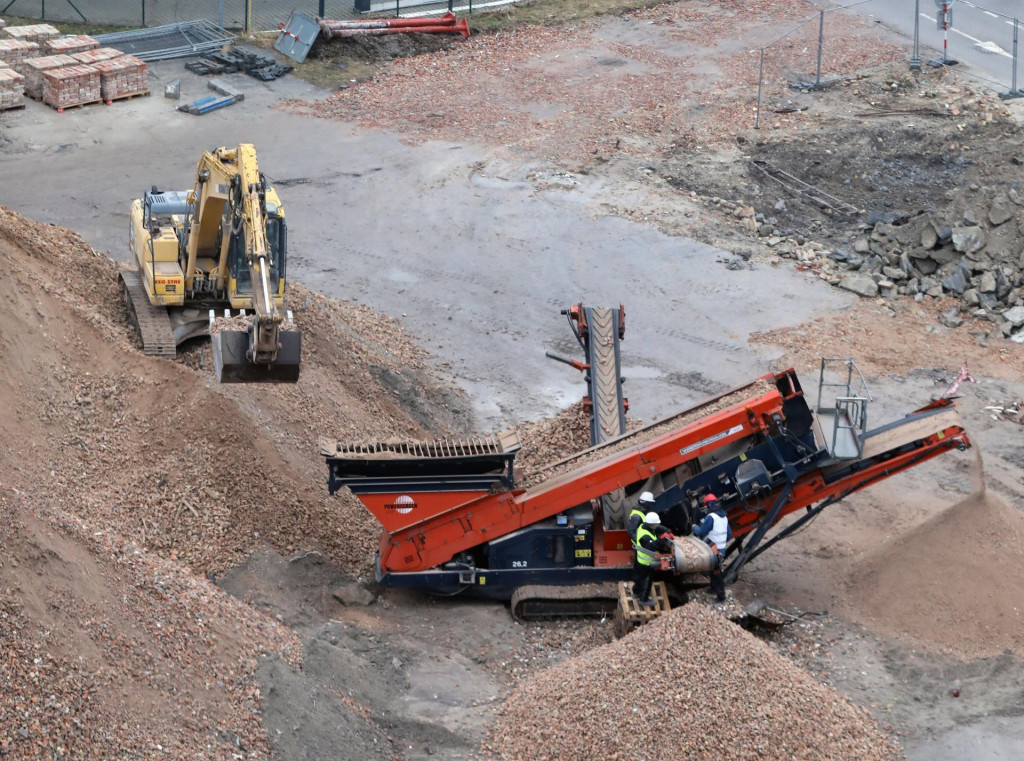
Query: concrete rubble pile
x=689 y=686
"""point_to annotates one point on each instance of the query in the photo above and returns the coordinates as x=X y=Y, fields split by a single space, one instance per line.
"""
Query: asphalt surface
x=476 y=266
x=981 y=36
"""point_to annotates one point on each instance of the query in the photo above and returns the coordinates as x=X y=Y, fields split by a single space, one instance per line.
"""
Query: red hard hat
x=710 y=498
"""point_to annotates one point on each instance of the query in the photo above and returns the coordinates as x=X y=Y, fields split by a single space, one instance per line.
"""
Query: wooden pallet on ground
x=128 y=96
x=62 y=109
x=631 y=614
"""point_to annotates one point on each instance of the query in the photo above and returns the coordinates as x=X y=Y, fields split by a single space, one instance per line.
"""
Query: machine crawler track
x=151 y=322
x=537 y=602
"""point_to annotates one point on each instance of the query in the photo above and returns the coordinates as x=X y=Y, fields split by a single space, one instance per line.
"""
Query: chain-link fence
x=230 y=14
x=843 y=41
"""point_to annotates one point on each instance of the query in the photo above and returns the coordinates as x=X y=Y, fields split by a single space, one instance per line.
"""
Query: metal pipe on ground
x=327 y=27
x=461 y=27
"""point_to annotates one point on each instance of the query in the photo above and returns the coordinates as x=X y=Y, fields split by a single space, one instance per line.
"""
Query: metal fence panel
x=232 y=14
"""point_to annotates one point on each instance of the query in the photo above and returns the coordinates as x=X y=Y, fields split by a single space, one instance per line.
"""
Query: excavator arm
x=230 y=222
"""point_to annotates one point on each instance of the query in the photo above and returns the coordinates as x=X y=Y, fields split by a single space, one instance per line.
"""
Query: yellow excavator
x=201 y=253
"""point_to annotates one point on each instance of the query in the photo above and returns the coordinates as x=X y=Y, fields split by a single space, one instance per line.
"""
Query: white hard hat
x=652 y=519
x=646 y=498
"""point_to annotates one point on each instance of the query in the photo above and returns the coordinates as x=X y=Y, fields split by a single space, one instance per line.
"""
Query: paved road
x=980 y=38
x=475 y=265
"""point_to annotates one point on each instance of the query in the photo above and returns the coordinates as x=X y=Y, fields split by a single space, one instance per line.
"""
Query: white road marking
x=989 y=47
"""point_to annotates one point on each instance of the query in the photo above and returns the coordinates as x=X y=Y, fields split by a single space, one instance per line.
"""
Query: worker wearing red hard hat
x=716 y=531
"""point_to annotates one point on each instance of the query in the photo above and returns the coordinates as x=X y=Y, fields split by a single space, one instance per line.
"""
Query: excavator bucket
x=230 y=349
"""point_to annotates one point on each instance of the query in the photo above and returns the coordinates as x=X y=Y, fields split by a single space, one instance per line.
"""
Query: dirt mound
x=691 y=684
x=952 y=584
x=549 y=440
x=199 y=472
x=121 y=473
x=380 y=48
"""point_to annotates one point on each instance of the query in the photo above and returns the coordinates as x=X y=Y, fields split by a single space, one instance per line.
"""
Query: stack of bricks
x=78 y=43
x=32 y=33
x=121 y=77
x=14 y=52
x=33 y=70
x=12 y=92
x=71 y=86
x=95 y=56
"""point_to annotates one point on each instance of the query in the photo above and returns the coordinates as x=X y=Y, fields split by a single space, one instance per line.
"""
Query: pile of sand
x=952 y=584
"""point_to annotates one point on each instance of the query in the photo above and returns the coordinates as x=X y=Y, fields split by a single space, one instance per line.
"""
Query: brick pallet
x=32 y=32
x=95 y=56
x=13 y=52
x=12 y=92
x=78 y=43
x=71 y=86
x=122 y=77
x=33 y=70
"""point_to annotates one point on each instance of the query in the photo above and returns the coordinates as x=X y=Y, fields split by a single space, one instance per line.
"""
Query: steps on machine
x=631 y=614
x=151 y=322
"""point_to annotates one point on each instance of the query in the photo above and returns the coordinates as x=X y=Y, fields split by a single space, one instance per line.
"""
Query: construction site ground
x=441 y=212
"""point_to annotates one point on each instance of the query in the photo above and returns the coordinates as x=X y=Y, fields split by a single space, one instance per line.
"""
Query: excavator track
x=608 y=419
x=151 y=322
x=539 y=602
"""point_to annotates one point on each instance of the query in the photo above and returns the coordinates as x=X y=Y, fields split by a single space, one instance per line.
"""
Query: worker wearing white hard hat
x=644 y=505
x=651 y=538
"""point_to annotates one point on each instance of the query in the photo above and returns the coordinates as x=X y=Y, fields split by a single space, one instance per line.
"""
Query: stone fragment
x=967 y=240
x=1014 y=316
x=862 y=285
x=929 y=237
x=971 y=297
x=987 y=283
x=951 y=319
x=1000 y=211
x=957 y=281
x=352 y=594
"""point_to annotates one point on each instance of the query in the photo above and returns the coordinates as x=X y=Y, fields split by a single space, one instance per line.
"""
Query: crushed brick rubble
x=139 y=655
x=692 y=685
x=478 y=90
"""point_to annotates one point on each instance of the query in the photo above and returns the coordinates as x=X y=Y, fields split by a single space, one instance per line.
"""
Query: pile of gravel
x=691 y=685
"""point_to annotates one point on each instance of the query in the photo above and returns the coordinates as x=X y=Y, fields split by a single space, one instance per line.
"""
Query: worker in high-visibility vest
x=651 y=538
x=716 y=531
x=644 y=505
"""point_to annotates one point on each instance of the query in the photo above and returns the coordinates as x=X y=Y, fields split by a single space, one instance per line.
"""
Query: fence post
x=248 y=15
x=915 y=60
x=821 y=44
x=322 y=9
x=1014 y=92
x=143 y=13
x=760 y=79
x=220 y=14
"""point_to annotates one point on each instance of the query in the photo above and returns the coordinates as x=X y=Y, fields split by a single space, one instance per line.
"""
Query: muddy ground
x=416 y=677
